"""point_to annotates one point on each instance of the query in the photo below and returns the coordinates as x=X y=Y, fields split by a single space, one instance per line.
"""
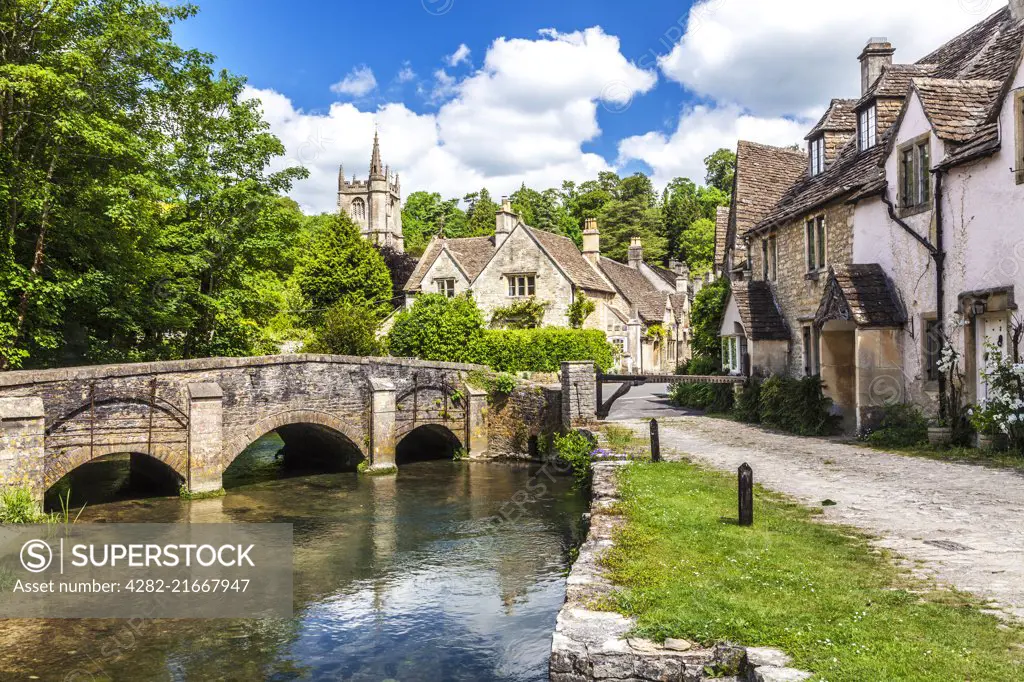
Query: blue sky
x=470 y=93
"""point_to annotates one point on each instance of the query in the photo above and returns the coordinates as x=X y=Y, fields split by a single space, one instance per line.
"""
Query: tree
x=706 y=320
x=721 y=168
x=341 y=265
x=400 y=267
x=631 y=212
x=437 y=328
x=481 y=214
x=698 y=246
x=348 y=328
x=425 y=215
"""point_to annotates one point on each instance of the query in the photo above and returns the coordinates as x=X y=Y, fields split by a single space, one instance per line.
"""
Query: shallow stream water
x=402 y=577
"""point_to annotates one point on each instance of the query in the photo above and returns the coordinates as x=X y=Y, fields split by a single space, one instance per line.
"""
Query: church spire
x=376 y=167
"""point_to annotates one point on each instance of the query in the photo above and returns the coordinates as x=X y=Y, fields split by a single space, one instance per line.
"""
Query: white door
x=991 y=337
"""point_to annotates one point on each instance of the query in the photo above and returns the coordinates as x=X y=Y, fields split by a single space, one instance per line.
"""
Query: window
x=816 y=240
x=770 y=258
x=914 y=176
x=730 y=354
x=812 y=363
x=931 y=350
x=358 y=209
x=446 y=287
x=817 y=155
x=620 y=345
x=867 y=126
x=521 y=286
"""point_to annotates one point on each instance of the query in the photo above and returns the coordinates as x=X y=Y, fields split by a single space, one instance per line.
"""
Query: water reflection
x=402 y=578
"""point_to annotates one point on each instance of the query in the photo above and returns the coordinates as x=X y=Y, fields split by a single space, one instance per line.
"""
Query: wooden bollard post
x=655 y=442
x=746 y=486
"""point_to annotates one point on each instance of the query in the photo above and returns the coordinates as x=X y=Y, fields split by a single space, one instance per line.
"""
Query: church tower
x=374 y=204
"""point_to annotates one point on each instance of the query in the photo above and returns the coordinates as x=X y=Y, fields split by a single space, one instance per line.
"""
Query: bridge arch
x=290 y=424
x=427 y=442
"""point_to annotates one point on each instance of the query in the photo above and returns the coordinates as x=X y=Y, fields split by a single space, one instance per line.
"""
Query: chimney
x=1017 y=9
x=877 y=55
x=591 y=241
x=682 y=272
x=505 y=222
x=636 y=252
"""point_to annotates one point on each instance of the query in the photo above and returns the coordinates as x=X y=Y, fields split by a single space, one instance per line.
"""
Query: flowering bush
x=1003 y=410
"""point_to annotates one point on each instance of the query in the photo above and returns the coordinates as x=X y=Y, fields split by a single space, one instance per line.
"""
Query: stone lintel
x=380 y=384
x=205 y=391
x=27 y=407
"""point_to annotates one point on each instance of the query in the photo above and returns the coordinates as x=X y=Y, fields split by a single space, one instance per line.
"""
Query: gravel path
x=964 y=522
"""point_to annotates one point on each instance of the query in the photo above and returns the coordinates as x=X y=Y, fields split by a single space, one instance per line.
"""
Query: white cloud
x=523 y=117
x=445 y=86
x=406 y=73
x=460 y=55
x=358 y=82
x=701 y=131
x=788 y=56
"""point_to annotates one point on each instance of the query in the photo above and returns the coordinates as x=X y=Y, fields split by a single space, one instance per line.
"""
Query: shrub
x=748 y=402
x=796 y=405
x=541 y=350
x=18 y=506
x=574 y=448
x=580 y=310
x=902 y=425
x=348 y=328
x=437 y=328
x=503 y=384
x=706 y=320
x=713 y=398
x=526 y=314
x=701 y=366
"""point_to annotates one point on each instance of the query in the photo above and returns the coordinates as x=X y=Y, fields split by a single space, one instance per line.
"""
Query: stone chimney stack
x=1017 y=9
x=591 y=241
x=682 y=272
x=877 y=55
x=505 y=222
x=636 y=252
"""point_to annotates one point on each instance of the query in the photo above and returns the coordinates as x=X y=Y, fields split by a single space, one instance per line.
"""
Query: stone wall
x=519 y=426
x=579 y=394
x=798 y=292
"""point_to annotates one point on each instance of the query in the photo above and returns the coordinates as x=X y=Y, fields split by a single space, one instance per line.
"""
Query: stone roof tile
x=759 y=311
x=568 y=257
x=636 y=289
x=863 y=294
x=840 y=117
x=763 y=174
x=957 y=108
x=721 y=235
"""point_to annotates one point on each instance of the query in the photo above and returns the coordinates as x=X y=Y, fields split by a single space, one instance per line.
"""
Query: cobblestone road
x=965 y=522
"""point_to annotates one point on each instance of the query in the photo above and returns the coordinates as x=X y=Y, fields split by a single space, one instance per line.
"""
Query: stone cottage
x=643 y=309
x=901 y=228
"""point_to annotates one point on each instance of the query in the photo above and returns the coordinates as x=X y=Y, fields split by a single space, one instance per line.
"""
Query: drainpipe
x=939 y=256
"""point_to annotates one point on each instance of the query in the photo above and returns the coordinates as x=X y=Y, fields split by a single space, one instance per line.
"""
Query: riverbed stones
x=590 y=645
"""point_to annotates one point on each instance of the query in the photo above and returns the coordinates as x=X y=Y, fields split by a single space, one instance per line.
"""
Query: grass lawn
x=819 y=592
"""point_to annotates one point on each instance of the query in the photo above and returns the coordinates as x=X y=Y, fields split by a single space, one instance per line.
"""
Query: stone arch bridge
x=194 y=417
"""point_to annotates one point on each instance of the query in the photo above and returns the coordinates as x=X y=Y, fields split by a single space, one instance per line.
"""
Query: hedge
x=541 y=350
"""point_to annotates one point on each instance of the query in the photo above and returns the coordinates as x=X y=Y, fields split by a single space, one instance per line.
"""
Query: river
x=401 y=577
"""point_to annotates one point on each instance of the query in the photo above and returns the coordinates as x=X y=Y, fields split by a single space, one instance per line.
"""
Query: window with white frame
x=620 y=345
x=914 y=176
x=817 y=155
x=867 y=127
x=816 y=240
x=521 y=286
x=446 y=287
x=812 y=362
x=731 y=354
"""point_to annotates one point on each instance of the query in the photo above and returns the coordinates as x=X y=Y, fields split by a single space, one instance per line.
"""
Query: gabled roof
x=957 y=108
x=636 y=289
x=840 y=117
x=759 y=312
x=895 y=80
x=664 y=274
x=763 y=174
x=678 y=302
x=471 y=254
x=567 y=256
x=985 y=142
x=862 y=294
x=977 y=49
x=721 y=235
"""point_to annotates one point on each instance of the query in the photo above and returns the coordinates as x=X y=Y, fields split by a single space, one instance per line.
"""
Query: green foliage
x=546 y=211
x=340 y=265
x=796 y=405
x=706 y=320
x=18 y=506
x=575 y=448
x=481 y=214
x=503 y=384
x=525 y=314
x=541 y=350
x=579 y=310
x=721 y=167
x=620 y=438
x=713 y=398
x=438 y=328
x=185 y=494
x=902 y=425
x=425 y=215
x=748 y=402
x=685 y=574
x=698 y=245
x=348 y=328
x=701 y=366
x=656 y=332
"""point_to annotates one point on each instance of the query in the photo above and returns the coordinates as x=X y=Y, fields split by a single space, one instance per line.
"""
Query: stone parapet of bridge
x=197 y=416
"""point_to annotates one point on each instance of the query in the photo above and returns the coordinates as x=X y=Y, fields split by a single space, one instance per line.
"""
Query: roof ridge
x=787 y=150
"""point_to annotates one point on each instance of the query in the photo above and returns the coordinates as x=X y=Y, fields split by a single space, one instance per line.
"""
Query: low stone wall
x=593 y=645
x=519 y=425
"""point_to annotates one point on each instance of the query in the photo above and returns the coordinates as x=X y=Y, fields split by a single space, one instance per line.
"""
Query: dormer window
x=867 y=127
x=817 y=155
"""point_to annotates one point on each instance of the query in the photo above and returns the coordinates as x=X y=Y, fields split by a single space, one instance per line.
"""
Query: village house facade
x=901 y=228
x=643 y=309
